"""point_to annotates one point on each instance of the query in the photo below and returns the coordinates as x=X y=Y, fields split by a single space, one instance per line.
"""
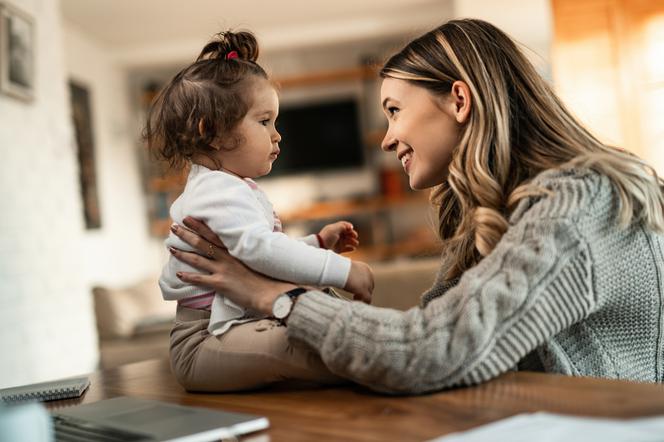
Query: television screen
x=319 y=137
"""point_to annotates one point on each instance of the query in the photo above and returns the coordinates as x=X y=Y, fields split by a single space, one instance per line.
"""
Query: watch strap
x=297 y=291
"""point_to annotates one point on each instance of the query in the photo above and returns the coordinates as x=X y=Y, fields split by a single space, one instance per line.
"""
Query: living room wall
x=47 y=328
x=121 y=251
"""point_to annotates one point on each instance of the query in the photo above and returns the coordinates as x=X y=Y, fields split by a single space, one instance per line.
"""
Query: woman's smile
x=406 y=159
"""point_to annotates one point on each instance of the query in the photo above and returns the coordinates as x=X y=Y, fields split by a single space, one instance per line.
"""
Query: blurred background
x=85 y=211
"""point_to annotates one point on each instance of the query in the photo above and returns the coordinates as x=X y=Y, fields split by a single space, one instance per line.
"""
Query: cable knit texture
x=566 y=290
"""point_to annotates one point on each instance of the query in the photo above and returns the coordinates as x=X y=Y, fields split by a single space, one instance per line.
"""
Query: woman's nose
x=389 y=143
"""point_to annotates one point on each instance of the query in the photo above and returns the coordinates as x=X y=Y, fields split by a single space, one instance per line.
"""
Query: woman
x=553 y=257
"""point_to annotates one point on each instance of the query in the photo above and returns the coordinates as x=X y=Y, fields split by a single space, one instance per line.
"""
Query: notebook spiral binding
x=48 y=391
x=48 y=395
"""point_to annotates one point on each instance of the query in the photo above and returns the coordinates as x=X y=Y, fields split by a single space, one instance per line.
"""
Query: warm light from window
x=653 y=34
x=653 y=93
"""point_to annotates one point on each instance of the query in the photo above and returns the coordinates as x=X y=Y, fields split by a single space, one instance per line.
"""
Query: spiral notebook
x=46 y=391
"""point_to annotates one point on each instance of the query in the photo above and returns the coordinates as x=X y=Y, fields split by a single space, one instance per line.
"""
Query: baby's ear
x=201 y=127
x=201 y=132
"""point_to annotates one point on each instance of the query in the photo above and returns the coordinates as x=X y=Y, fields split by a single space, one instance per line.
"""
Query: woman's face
x=422 y=129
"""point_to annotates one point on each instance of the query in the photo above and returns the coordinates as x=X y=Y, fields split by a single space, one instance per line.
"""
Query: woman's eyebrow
x=388 y=99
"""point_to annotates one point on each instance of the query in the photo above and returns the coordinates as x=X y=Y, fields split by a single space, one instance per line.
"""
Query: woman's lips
x=406 y=161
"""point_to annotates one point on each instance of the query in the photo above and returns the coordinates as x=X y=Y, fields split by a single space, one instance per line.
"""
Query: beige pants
x=247 y=356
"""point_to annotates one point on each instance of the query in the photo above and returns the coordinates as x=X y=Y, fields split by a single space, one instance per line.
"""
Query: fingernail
x=172 y=250
x=179 y=275
x=174 y=228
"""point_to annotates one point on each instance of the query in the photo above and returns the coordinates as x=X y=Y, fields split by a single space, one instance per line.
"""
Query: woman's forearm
x=482 y=327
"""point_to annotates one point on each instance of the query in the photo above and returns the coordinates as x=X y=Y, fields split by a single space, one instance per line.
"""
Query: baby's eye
x=392 y=110
x=265 y=122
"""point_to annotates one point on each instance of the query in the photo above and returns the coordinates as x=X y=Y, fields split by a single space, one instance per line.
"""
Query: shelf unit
x=373 y=215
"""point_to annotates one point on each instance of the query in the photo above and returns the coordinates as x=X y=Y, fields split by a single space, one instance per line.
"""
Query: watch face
x=282 y=306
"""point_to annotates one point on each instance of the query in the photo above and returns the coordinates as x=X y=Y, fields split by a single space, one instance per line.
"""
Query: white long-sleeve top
x=240 y=213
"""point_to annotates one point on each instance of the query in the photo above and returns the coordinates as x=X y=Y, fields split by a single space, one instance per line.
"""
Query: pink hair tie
x=231 y=55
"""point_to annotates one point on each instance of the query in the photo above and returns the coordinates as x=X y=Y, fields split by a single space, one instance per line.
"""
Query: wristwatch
x=283 y=304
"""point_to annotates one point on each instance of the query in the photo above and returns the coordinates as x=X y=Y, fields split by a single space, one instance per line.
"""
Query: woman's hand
x=224 y=273
x=360 y=281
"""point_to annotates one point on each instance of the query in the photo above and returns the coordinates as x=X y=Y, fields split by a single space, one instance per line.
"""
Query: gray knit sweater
x=566 y=290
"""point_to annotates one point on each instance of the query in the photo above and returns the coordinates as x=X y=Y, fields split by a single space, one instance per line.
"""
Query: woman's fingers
x=194 y=259
x=203 y=230
x=363 y=298
x=196 y=241
x=196 y=278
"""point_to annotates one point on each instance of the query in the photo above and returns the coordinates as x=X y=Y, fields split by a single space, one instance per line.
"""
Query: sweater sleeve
x=228 y=206
x=535 y=283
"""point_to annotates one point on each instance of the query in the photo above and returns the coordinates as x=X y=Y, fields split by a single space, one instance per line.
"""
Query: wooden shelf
x=416 y=246
x=420 y=243
x=374 y=214
x=329 y=76
x=341 y=208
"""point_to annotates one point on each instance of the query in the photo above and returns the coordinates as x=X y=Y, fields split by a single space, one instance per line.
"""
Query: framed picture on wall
x=82 y=116
x=17 y=76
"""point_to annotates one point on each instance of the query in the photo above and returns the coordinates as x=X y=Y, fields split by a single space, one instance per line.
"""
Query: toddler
x=218 y=116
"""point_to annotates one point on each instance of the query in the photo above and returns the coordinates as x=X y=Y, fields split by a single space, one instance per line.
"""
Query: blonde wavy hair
x=517 y=128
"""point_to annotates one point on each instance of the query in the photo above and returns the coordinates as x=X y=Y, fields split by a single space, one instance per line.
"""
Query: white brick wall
x=46 y=318
x=121 y=251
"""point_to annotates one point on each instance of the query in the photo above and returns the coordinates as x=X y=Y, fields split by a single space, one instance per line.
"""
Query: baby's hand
x=339 y=237
x=360 y=281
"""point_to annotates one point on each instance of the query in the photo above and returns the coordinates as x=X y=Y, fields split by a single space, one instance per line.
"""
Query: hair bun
x=244 y=43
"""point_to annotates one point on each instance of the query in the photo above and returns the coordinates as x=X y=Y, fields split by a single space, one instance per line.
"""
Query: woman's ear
x=460 y=95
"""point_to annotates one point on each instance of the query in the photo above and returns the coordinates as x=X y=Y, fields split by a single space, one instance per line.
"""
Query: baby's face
x=259 y=145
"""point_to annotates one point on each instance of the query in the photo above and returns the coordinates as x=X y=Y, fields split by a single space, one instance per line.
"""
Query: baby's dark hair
x=205 y=101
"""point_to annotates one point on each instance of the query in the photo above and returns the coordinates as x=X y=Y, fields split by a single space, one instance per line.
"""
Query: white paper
x=547 y=427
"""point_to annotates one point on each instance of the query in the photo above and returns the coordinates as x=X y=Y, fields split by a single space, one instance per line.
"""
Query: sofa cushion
x=121 y=312
x=400 y=283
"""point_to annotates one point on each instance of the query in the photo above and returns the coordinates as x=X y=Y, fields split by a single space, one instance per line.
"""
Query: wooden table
x=355 y=414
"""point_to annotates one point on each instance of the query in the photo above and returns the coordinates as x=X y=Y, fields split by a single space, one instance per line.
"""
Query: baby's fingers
x=351 y=242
